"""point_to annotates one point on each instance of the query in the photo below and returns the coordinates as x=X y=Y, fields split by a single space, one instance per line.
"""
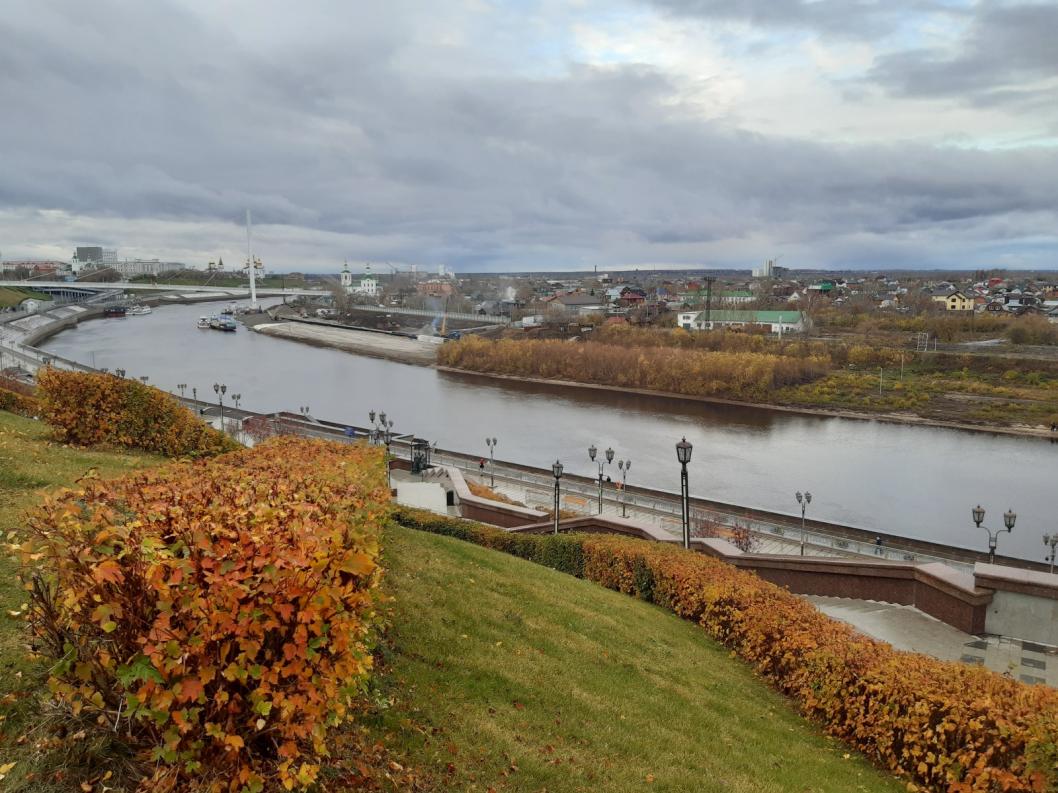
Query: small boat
x=139 y=311
x=115 y=311
x=223 y=323
x=203 y=322
x=229 y=311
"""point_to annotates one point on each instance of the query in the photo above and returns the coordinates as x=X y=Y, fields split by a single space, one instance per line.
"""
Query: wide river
x=913 y=481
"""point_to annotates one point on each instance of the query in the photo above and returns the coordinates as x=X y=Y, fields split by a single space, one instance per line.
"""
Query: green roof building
x=777 y=321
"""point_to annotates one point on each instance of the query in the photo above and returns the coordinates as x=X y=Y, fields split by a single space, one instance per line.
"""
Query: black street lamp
x=623 y=466
x=556 y=470
x=491 y=443
x=592 y=451
x=382 y=432
x=683 y=454
x=220 y=390
x=144 y=379
x=1009 y=518
x=1051 y=540
x=120 y=372
x=181 y=387
x=804 y=500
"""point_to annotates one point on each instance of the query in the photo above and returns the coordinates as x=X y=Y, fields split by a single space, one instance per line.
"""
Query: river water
x=913 y=481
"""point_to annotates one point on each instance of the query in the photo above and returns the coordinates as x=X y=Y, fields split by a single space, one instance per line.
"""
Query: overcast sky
x=533 y=134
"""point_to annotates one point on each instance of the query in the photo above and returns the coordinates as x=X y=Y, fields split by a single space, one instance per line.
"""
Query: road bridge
x=86 y=287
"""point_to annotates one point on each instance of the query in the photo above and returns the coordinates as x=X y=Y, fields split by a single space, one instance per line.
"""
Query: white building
x=367 y=286
x=133 y=267
x=775 y=321
x=764 y=271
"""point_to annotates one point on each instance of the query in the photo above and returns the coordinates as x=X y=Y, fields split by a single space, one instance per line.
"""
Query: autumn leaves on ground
x=256 y=620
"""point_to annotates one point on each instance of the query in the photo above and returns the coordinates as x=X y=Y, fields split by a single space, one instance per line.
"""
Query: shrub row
x=942 y=725
x=692 y=372
x=14 y=402
x=220 y=612
x=89 y=408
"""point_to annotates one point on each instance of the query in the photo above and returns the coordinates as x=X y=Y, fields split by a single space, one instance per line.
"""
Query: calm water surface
x=913 y=481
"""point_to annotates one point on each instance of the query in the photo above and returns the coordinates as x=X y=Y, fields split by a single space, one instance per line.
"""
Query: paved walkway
x=907 y=628
x=585 y=504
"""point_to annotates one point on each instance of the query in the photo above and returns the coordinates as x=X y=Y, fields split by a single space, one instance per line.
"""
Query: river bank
x=359 y=342
x=893 y=418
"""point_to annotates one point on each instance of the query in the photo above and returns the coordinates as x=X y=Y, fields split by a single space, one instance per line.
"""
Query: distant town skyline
x=677 y=134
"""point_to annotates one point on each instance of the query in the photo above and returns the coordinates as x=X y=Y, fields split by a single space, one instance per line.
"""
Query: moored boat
x=222 y=322
x=139 y=310
x=203 y=322
x=115 y=311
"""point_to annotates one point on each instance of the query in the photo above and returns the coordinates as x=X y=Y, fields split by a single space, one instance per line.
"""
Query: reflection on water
x=916 y=481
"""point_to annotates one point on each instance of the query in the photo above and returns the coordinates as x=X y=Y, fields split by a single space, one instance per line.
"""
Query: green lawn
x=29 y=462
x=507 y=675
x=11 y=296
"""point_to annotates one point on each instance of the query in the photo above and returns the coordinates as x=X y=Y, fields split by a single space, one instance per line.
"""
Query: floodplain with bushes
x=865 y=370
x=184 y=615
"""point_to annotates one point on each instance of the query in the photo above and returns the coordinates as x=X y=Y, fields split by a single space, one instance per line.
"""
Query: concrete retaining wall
x=486 y=510
x=1025 y=604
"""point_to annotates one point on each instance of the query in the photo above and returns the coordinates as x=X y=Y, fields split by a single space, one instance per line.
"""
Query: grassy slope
x=28 y=463
x=521 y=678
x=10 y=296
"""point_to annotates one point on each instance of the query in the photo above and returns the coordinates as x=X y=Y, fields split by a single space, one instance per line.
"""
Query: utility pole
x=709 y=300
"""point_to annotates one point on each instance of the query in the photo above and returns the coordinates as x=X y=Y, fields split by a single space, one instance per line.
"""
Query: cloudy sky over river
x=534 y=134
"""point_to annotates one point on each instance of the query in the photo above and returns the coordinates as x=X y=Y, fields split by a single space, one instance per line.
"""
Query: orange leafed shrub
x=693 y=372
x=221 y=612
x=88 y=409
x=18 y=397
x=944 y=726
x=15 y=402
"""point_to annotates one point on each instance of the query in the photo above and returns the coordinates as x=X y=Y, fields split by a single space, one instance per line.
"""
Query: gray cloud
x=1006 y=47
x=848 y=18
x=351 y=138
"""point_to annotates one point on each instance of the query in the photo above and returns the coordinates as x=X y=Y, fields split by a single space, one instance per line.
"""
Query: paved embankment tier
x=379 y=345
x=892 y=418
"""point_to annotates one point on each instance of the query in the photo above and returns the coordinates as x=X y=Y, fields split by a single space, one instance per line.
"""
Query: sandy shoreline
x=361 y=342
x=892 y=418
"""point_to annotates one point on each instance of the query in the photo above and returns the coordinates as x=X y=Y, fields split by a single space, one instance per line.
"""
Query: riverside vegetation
x=853 y=376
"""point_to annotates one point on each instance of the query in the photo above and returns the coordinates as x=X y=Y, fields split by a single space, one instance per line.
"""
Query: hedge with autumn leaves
x=88 y=408
x=219 y=614
x=15 y=402
x=18 y=397
x=943 y=726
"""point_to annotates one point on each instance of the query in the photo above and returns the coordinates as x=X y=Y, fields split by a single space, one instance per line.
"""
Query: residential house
x=578 y=303
x=952 y=300
x=734 y=297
